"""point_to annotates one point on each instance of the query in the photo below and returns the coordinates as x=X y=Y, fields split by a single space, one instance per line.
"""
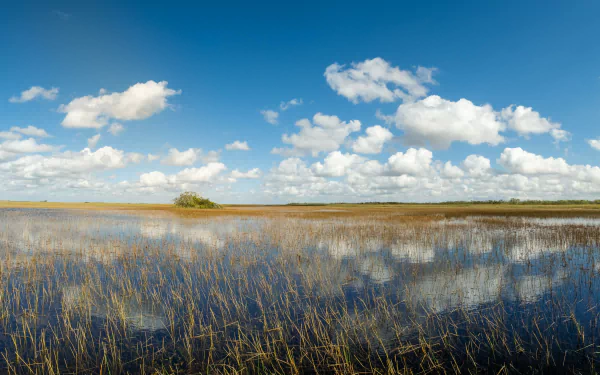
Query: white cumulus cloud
x=253 y=173
x=180 y=158
x=526 y=121
x=185 y=179
x=116 y=128
x=451 y=171
x=560 y=135
x=594 y=143
x=270 y=116
x=412 y=162
x=414 y=176
x=517 y=160
x=138 y=102
x=24 y=146
x=440 y=122
x=134 y=157
x=9 y=135
x=477 y=165
x=327 y=134
x=152 y=179
x=93 y=141
x=376 y=79
x=31 y=131
x=188 y=157
x=237 y=145
x=203 y=174
x=66 y=165
x=336 y=164
x=35 y=92
x=373 y=142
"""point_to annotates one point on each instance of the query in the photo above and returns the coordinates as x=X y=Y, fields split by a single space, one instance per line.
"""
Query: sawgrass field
x=322 y=289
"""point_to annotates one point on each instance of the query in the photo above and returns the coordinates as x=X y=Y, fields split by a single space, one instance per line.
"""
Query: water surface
x=133 y=291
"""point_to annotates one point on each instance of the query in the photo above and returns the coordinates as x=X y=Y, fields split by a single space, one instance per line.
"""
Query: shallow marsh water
x=110 y=292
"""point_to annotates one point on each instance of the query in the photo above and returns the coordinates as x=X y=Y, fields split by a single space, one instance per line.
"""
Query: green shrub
x=190 y=199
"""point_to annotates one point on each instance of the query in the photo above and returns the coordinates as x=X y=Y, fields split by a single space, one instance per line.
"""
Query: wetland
x=298 y=290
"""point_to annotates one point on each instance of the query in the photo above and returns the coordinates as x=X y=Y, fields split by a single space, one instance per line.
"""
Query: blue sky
x=196 y=78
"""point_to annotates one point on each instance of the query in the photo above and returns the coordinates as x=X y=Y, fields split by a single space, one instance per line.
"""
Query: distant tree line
x=513 y=201
x=309 y=204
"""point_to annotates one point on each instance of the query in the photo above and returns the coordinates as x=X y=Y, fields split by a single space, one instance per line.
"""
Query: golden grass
x=408 y=289
x=332 y=210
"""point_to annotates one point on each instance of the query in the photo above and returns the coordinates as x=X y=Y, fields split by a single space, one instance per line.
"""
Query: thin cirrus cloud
x=62 y=15
x=284 y=106
x=35 y=92
x=138 y=102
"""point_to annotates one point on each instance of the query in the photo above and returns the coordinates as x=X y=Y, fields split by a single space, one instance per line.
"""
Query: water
x=147 y=290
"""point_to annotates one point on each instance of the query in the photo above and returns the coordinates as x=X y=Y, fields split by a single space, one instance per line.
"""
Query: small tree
x=190 y=199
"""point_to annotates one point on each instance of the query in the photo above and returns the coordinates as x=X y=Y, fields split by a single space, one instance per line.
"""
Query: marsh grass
x=317 y=292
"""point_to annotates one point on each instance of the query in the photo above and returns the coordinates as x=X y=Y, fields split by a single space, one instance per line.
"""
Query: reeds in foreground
x=111 y=293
